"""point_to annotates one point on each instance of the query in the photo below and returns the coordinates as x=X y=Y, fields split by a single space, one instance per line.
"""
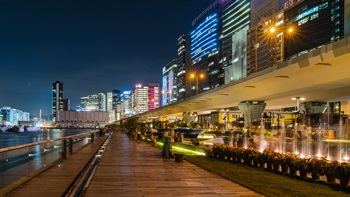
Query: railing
x=20 y=163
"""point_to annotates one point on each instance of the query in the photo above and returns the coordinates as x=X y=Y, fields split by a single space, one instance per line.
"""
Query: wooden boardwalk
x=132 y=169
x=54 y=181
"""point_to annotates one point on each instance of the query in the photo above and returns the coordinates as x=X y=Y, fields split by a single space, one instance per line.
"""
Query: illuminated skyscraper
x=11 y=116
x=116 y=103
x=95 y=102
x=126 y=104
x=183 y=65
x=235 y=23
x=145 y=98
x=169 y=90
x=139 y=99
x=317 y=23
x=57 y=99
x=109 y=107
x=205 y=49
x=153 y=95
x=263 y=50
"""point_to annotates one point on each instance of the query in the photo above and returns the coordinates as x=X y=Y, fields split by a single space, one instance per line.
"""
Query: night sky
x=92 y=46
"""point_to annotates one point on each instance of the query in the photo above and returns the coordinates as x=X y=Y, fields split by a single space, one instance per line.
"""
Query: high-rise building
x=235 y=23
x=169 y=83
x=116 y=103
x=109 y=107
x=205 y=50
x=11 y=116
x=317 y=23
x=57 y=99
x=145 y=98
x=183 y=65
x=153 y=95
x=126 y=104
x=263 y=50
x=66 y=104
x=265 y=10
x=139 y=99
x=95 y=102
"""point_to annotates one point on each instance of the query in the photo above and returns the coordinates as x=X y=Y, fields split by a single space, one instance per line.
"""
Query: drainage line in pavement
x=76 y=187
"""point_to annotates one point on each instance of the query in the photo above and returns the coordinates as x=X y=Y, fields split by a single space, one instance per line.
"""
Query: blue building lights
x=204 y=38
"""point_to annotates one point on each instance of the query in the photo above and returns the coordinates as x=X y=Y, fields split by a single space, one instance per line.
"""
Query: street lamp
x=274 y=31
x=196 y=76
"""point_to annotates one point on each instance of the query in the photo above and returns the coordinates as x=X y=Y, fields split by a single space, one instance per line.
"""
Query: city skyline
x=87 y=45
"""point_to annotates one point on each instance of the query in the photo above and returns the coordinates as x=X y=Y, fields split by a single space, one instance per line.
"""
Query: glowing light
x=183 y=149
x=318 y=155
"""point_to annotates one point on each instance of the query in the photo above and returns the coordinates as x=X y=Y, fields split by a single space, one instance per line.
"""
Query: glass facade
x=317 y=23
x=95 y=102
x=169 y=83
x=126 y=104
x=57 y=99
x=116 y=103
x=235 y=22
x=183 y=64
x=153 y=95
x=145 y=98
x=204 y=38
x=11 y=116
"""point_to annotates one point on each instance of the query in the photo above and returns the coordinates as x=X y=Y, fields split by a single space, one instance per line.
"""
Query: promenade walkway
x=131 y=169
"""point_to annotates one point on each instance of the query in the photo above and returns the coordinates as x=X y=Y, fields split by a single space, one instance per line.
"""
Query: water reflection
x=20 y=162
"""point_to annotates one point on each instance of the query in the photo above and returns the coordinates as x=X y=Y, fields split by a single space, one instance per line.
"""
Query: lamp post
x=274 y=31
x=196 y=76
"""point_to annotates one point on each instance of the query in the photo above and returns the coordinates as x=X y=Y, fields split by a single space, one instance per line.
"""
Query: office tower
x=139 y=99
x=110 y=110
x=116 y=103
x=153 y=95
x=95 y=102
x=183 y=65
x=265 y=10
x=263 y=50
x=66 y=104
x=145 y=98
x=126 y=104
x=317 y=23
x=169 y=83
x=57 y=99
x=205 y=50
x=11 y=116
x=235 y=23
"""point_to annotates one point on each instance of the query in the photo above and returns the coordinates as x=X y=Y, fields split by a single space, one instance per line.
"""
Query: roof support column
x=251 y=110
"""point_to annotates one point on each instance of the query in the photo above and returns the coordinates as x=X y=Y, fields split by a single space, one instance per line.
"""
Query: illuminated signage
x=291 y=3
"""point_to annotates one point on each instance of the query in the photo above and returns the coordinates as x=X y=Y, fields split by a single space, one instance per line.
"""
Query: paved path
x=54 y=181
x=130 y=169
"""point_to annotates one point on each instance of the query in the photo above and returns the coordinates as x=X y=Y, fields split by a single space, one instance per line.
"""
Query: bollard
x=70 y=146
x=64 y=149
x=92 y=137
